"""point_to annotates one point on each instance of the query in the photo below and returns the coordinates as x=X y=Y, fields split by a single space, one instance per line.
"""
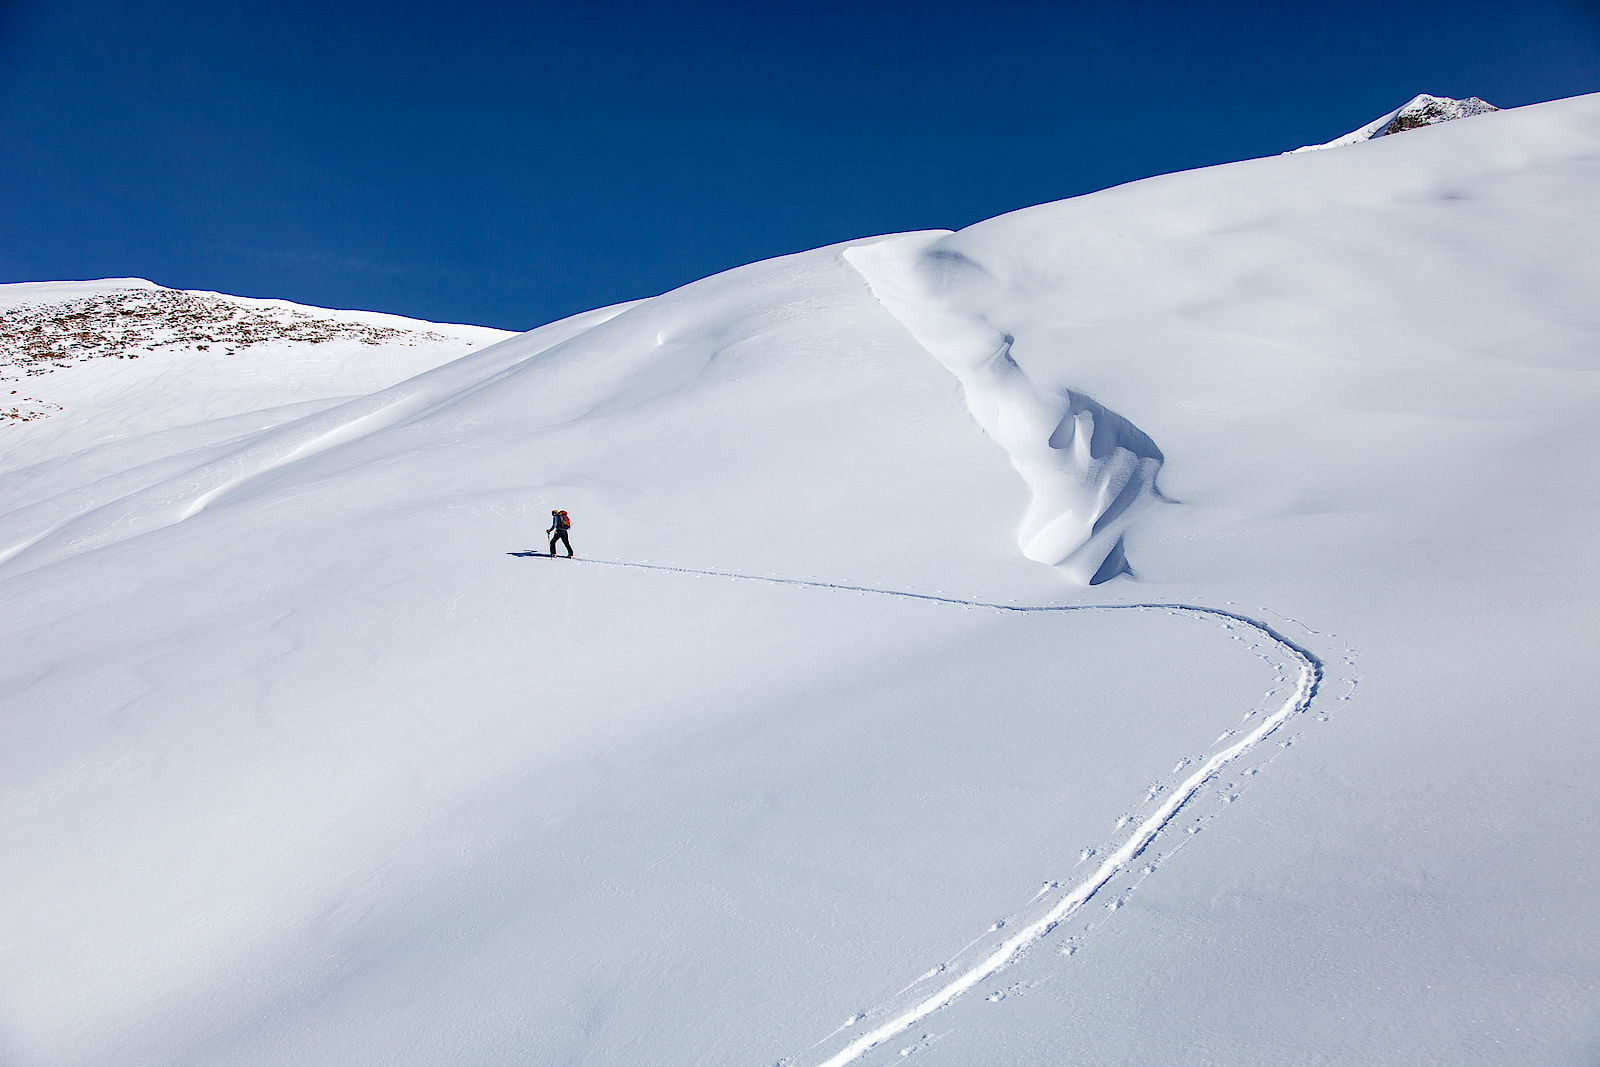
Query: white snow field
x=1146 y=628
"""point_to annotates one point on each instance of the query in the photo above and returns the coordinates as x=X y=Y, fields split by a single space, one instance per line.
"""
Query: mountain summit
x=1421 y=110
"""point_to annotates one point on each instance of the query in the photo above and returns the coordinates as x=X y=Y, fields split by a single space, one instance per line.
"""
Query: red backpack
x=562 y=522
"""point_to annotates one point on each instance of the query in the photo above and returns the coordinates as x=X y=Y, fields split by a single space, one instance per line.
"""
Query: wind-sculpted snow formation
x=1086 y=467
x=300 y=766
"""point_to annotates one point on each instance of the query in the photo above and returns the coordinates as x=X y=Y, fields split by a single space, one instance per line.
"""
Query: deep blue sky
x=512 y=164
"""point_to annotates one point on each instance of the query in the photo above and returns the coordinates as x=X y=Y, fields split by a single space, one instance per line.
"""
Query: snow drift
x=1086 y=467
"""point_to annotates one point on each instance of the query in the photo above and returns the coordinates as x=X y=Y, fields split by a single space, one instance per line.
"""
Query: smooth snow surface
x=892 y=708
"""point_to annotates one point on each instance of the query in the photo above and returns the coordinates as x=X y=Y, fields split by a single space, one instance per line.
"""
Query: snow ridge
x=1421 y=110
x=47 y=326
x=1086 y=466
x=1143 y=835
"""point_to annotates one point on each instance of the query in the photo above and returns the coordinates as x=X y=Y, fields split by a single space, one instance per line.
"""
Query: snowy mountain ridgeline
x=1421 y=110
x=50 y=325
x=1141 y=628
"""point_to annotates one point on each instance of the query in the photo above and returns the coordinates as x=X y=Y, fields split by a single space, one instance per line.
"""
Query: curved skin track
x=1075 y=897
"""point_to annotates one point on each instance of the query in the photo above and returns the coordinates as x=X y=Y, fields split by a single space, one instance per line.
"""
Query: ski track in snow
x=1116 y=862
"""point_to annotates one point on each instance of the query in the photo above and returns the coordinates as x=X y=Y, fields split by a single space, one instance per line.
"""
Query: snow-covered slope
x=215 y=355
x=112 y=374
x=1421 y=110
x=824 y=751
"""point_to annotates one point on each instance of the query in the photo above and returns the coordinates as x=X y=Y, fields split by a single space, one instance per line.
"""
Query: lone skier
x=559 y=525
